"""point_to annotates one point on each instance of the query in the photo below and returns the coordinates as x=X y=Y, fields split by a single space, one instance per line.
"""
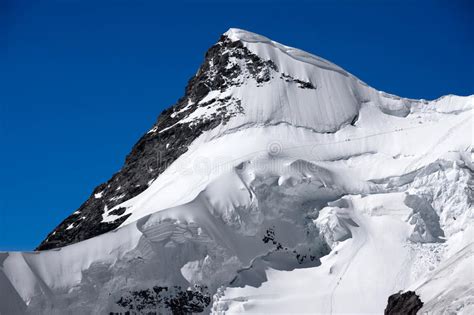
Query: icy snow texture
x=321 y=200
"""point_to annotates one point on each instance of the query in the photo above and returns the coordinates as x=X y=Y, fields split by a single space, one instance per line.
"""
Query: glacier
x=297 y=188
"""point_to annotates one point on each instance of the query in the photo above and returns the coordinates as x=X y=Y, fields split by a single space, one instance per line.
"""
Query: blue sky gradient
x=81 y=81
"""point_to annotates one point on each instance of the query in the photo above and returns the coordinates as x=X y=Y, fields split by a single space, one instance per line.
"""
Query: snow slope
x=319 y=194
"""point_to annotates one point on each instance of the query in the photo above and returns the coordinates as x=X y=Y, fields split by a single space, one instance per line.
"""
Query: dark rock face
x=167 y=140
x=407 y=303
x=270 y=238
x=301 y=84
x=164 y=300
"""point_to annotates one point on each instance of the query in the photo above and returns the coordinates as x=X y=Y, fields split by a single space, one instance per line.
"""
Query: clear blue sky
x=81 y=81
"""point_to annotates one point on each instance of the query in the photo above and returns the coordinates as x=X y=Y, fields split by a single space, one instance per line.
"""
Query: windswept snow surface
x=323 y=195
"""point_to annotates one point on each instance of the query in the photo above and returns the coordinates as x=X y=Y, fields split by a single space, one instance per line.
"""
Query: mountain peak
x=253 y=39
x=275 y=165
x=246 y=80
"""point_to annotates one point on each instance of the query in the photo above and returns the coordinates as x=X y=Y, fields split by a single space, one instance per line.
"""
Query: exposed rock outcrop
x=407 y=303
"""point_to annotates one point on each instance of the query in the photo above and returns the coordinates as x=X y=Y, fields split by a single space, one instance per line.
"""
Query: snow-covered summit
x=236 y=34
x=246 y=81
x=276 y=174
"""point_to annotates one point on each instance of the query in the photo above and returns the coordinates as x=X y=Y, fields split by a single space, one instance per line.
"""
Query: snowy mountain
x=279 y=183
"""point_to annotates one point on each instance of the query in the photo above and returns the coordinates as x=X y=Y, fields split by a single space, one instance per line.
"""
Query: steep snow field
x=322 y=196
